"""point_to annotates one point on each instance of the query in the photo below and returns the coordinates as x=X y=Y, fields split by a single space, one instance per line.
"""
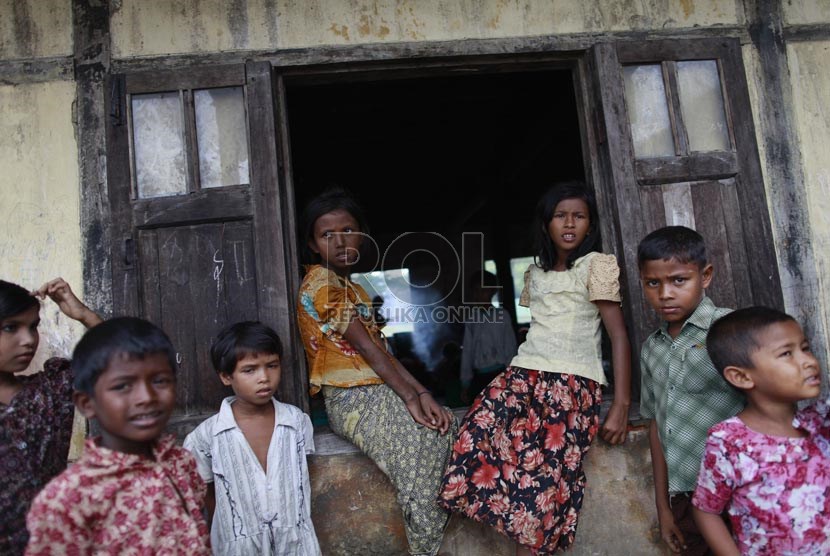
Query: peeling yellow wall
x=35 y=28
x=810 y=77
x=806 y=11
x=154 y=27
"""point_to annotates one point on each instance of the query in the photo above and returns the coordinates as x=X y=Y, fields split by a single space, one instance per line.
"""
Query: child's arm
x=60 y=292
x=424 y=410
x=668 y=528
x=715 y=532
x=616 y=422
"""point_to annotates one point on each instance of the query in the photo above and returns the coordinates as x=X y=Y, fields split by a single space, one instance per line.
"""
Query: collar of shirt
x=701 y=318
x=99 y=456
x=226 y=420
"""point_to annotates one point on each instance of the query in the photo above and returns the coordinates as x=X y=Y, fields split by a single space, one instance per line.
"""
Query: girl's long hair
x=14 y=300
x=332 y=198
x=545 y=249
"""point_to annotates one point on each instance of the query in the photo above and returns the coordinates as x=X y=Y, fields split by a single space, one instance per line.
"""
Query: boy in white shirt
x=253 y=453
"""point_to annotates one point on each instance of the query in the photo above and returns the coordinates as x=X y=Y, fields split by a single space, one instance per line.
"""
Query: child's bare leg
x=522 y=550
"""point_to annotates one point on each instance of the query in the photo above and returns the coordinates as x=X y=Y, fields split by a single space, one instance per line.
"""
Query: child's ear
x=225 y=378
x=738 y=377
x=706 y=275
x=84 y=403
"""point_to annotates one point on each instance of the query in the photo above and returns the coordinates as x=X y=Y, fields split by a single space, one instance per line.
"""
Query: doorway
x=442 y=154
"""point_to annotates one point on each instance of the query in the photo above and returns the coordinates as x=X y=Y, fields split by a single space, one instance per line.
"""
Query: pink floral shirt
x=122 y=504
x=776 y=489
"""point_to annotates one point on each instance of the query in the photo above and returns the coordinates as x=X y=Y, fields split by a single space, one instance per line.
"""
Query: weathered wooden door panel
x=199 y=256
x=645 y=182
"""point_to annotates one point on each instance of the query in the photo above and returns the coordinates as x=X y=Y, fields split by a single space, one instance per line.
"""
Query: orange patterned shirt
x=327 y=304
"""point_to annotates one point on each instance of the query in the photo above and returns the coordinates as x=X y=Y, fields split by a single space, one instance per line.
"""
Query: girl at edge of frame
x=517 y=462
x=371 y=399
x=36 y=411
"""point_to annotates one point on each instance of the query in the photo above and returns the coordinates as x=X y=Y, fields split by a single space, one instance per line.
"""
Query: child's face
x=255 y=378
x=132 y=402
x=784 y=367
x=674 y=289
x=18 y=340
x=336 y=239
x=569 y=225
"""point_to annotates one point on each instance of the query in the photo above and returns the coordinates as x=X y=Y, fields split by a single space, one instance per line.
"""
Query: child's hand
x=441 y=417
x=670 y=532
x=615 y=426
x=60 y=292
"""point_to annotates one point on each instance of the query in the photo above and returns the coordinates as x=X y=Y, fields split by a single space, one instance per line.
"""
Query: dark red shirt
x=35 y=430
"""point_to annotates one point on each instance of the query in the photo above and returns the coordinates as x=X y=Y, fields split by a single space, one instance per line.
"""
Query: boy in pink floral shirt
x=769 y=466
x=133 y=491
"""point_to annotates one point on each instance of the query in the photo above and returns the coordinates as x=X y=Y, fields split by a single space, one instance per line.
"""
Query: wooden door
x=199 y=239
x=674 y=141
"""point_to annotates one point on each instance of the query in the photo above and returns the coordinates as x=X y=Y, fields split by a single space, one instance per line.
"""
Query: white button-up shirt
x=258 y=513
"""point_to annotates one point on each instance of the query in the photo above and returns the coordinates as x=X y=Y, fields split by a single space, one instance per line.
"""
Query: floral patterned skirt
x=517 y=462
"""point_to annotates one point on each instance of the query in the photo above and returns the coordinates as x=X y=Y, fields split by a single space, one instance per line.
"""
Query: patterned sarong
x=375 y=420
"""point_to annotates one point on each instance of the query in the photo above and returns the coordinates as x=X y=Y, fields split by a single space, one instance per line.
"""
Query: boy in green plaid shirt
x=682 y=392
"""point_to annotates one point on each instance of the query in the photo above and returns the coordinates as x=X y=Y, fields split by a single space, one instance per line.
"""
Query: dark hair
x=331 y=199
x=240 y=339
x=15 y=300
x=129 y=337
x=733 y=339
x=672 y=242
x=545 y=208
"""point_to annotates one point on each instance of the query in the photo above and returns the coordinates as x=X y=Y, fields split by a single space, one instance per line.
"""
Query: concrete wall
x=35 y=28
x=618 y=515
x=154 y=27
x=809 y=64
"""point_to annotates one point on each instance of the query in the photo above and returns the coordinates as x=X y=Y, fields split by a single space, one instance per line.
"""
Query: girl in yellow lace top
x=517 y=463
x=371 y=399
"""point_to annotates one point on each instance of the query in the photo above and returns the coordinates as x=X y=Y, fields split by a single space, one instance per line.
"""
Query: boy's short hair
x=672 y=242
x=131 y=337
x=14 y=300
x=733 y=338
x=240 y=339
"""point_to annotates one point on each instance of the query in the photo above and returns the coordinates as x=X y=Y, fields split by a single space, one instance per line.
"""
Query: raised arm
x=58 y=290
x=616 y=422
x=418 y=400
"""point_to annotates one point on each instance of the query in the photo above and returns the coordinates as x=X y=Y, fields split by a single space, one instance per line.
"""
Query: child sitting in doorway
x=253 y=452
x=133 y=491
x=36 y=411
x=767 y=466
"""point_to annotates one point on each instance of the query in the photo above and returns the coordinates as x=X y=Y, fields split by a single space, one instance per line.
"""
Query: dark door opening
x=443 y=155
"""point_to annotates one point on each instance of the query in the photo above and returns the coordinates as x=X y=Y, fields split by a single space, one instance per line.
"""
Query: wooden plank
x=677 y=203
x=175 y=274
x=709 y=222
x=807 y=32
x=37 y=70
x=681 y=138
x=655 y=51
x=91 y=62
x=388 y=51
x=148 y=254
x=273 y=297
x=712 y=165
x=763 y=265
x=654 y=212
x=226 y=75
x=618 y=194
x=207 y=205
x=732 y=217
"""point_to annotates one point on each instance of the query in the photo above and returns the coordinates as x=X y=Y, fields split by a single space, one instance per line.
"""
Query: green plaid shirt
x=684 y=392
